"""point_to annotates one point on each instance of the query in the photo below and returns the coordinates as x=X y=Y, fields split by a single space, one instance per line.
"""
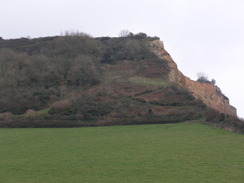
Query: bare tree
x=124 y=33
x=202 y=78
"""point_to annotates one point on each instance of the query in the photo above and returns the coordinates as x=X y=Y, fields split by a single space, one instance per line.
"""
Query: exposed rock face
x=205 y=91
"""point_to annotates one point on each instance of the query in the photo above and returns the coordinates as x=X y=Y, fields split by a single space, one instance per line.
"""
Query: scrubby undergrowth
x=77 y=80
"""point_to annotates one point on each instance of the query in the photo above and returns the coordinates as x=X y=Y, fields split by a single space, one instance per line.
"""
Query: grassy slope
x=167 y=153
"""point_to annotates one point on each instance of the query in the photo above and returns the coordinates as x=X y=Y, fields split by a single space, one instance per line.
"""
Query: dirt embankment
x=205 y=91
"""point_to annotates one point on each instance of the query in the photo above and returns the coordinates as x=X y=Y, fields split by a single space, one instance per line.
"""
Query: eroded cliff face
x=204 y=91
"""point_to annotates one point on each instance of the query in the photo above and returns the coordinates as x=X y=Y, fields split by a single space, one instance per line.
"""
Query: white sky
x=201 y=35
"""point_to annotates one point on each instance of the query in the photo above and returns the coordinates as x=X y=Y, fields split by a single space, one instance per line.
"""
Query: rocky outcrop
x=206 y=92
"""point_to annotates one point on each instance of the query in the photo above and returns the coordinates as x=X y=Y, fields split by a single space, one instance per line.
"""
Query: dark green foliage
x=91 y=108
x=43 y=97
x=126 y=48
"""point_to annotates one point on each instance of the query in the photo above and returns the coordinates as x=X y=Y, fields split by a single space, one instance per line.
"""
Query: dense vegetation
x=35 y=73
x=186 y=152
x=77 y=80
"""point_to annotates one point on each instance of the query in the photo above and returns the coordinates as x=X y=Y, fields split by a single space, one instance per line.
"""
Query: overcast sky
x=201 y=35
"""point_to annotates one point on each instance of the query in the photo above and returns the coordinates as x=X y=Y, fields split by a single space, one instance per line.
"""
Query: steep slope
x=206 y=92
x=82 y=81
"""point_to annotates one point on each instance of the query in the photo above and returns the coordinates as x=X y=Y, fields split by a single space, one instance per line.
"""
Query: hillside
x=77 y=80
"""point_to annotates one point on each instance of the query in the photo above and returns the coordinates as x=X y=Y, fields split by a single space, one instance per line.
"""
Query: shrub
x=30 y=113
x=126 y=48
x=212 y=115
x=6 y=116
x=202 y=78
x=60 y=106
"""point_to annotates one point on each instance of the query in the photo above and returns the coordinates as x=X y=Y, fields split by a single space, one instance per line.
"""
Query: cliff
x=206 y=92
x=82 y=81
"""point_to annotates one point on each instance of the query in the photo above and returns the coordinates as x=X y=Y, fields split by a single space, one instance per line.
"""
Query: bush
x=202 y=78
x=222 y=120
x=126 y=49
x=6 y=116
x=91 y=108
x=60 y=106
x=213 y=115
x=141 y=35
x=30 y=113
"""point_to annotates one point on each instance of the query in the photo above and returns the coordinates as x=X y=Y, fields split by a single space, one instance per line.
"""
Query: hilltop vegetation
x=35 y=73
x=77 y=80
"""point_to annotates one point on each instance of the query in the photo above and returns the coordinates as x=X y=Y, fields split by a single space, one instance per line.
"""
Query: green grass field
x=169 y=153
